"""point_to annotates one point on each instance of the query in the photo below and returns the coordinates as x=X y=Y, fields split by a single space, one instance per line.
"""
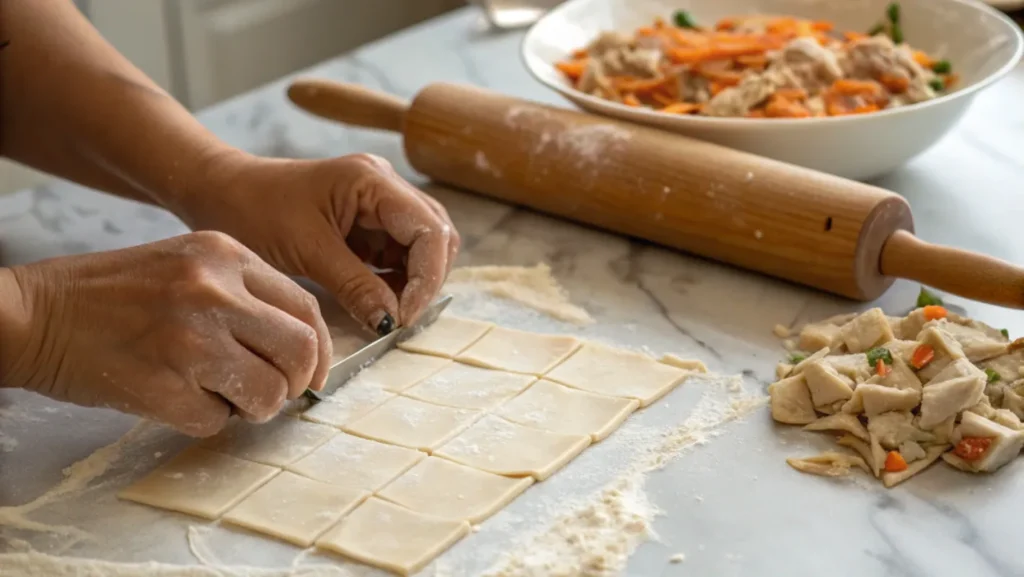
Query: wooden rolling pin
x=841 y=236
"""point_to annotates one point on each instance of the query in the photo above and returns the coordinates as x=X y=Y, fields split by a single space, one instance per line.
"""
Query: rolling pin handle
x=966 y=274
x=350 y=104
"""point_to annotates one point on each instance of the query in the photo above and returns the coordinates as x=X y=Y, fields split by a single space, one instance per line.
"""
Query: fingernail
x=386 y=325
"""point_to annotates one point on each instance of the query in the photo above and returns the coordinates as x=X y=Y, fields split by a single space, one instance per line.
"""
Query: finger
x=251 y=384
x=277 y=290
x=188 y=408
x=455 y=243
x=329 y=262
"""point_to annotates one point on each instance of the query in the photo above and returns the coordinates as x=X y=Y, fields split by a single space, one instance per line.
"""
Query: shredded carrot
x=972 y=448
x=923 y=59
x=664 y=99
x=639 y=85
x=630 y=99
x=895 y=84
x=757 y=61
x=822 y=26
x=792 y=93
x=725 y=24
x=857 y=87
x=882 y=369
x=934 y=312
x=894 y=462
x=854 y=36
x=681 y=108
x=757 y=113
x=923 y=355
x=779 y=107
x=580 y=54
x=950 y=80
x=573 y=70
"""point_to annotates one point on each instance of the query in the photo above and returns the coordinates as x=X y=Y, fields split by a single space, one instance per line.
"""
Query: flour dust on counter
x=534 y=287
x=903 y=392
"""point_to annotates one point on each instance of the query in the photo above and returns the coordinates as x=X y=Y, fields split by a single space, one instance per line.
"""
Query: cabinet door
x=230 y=46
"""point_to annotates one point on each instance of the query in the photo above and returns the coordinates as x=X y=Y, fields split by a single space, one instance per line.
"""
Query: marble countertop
x=732 y=506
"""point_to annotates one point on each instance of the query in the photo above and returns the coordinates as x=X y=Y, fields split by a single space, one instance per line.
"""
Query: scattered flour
x=484 y=165
x=531 y=286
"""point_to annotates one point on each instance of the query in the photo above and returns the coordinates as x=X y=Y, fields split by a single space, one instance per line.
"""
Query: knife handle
x=349 y=104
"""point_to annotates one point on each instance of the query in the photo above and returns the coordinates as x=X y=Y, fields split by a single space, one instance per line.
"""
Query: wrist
x=207 y=183
x=15 y=328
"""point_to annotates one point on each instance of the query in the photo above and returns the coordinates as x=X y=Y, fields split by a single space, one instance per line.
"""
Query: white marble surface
x=733 y=506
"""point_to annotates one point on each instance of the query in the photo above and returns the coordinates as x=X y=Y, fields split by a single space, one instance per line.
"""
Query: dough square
x=449 y=490
x=394 y=538
x=410 y=423
x=446 y=337
x=501 y=447
x=617 y=373
x=199 y=482
x=355 y=463
x=469 y=387
x=294 y=509
x=277 y=443
x=553 y=407
x=351 y=401
x=398 y=370
x=519 y=351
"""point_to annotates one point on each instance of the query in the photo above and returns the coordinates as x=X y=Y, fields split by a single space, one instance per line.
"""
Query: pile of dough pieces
x=951 y=387
x=430 y=440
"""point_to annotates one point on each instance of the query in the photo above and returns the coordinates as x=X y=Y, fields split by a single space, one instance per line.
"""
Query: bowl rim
x=571 y=93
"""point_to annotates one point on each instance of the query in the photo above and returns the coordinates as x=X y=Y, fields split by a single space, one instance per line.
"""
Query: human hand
x=184 y=331
x=327 y=220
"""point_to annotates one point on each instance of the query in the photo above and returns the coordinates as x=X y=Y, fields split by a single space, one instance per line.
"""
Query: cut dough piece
x=791 y=401
x=552 y=407
x=827 y=386
x=469 y=387
x=398 y=370
x=415 y=424
x=840 y=422
x=351 y=401
x=685 y=364
x=277 y=443
x=498 y=446
x=445 y=489
x=519 y=351
x=356 y=464
x=932 y=454
x=391 y=537
x=617 y=373
x=199 y=482
x=447 y=337
x=294 y=508
x=872 y=400
x=869 y=329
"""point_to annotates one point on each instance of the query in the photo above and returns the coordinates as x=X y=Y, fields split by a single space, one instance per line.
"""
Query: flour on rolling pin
x=588 y=144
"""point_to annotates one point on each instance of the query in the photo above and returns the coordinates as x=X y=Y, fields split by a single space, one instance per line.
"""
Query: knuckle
x=371 y=161
x=217 y=243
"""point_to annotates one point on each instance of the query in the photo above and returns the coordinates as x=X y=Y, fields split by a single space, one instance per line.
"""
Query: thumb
x=365 y=296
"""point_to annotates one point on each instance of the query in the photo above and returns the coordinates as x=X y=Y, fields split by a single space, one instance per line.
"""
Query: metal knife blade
x=343 y=370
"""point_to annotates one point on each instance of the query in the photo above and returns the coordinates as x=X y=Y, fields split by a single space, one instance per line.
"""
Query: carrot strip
x=630 y=99
x=792 y=93
x=894 y=462
x=681 y=108
x=857 y=87
x=934 y=312
x=923 y=355
x=573 y=70
x=779 y=107
x=895 y=84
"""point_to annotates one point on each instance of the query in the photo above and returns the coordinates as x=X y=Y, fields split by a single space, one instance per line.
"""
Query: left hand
x=329 y=219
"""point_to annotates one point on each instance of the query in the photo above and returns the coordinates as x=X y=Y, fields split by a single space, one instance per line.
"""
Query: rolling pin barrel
x=701 y=198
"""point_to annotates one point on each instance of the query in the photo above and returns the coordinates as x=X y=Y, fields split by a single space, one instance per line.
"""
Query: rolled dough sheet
x=519 y=351
x=411 y=423
x=294 y=508
x=553 y=407
x=280 y=442
x=447 y=337
x=498 y=446
x=351 y=401
x=199 y=482
x=392 y=537
x=398 y=370
x=469 y=387
x=356 y=464
x=449 y=490
x=617 y=373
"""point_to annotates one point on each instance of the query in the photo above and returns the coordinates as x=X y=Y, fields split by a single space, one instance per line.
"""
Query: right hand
x=184 y=331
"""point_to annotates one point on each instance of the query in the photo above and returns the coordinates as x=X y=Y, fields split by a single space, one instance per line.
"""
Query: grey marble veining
x=733 y=507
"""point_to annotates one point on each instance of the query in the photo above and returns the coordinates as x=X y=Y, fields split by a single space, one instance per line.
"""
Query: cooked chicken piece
x=840 y=422
x=945 y=399
x=607 y=42
x=911 y=451
x=946 y=348
x=955 y=370
x=900 y=376
x=861 y=447
x=630 y=62
x=1008 y=366
x=931 y=455
x=799 y=368
x=877 y=57
x=1005 y=444
x=829 y=464
x=866 y=331
x=877 y=399
x=977 y=346
x=893 y=429
x=694 y=88
x=807 y=65
x=791 y=401
x=853 y=366
x=594 y=80
x=752 y=90
x=826 y=385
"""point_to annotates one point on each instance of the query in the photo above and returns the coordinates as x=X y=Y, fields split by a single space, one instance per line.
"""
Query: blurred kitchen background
x=205 y=51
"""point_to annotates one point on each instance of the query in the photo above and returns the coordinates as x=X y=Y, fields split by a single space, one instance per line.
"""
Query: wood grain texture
x=349 y=103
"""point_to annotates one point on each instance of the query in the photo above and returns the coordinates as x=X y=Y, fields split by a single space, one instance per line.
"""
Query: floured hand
x=184 y=331
x=331 y=221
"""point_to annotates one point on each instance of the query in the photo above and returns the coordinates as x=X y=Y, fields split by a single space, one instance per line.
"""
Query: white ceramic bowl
x=982 y=44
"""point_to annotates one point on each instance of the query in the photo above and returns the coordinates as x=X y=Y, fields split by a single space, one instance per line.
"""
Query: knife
x=343 y=370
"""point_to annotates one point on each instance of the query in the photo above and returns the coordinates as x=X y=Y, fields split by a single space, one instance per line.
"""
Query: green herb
x=925 y=298
x=796 y=358
x=877 y=29
x=1005 y=332
x=879 y=353
x=992 y=375
x=942 y=67
x=937 y=84
x=684 y=20
x=893 y=12
x=897 y=34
